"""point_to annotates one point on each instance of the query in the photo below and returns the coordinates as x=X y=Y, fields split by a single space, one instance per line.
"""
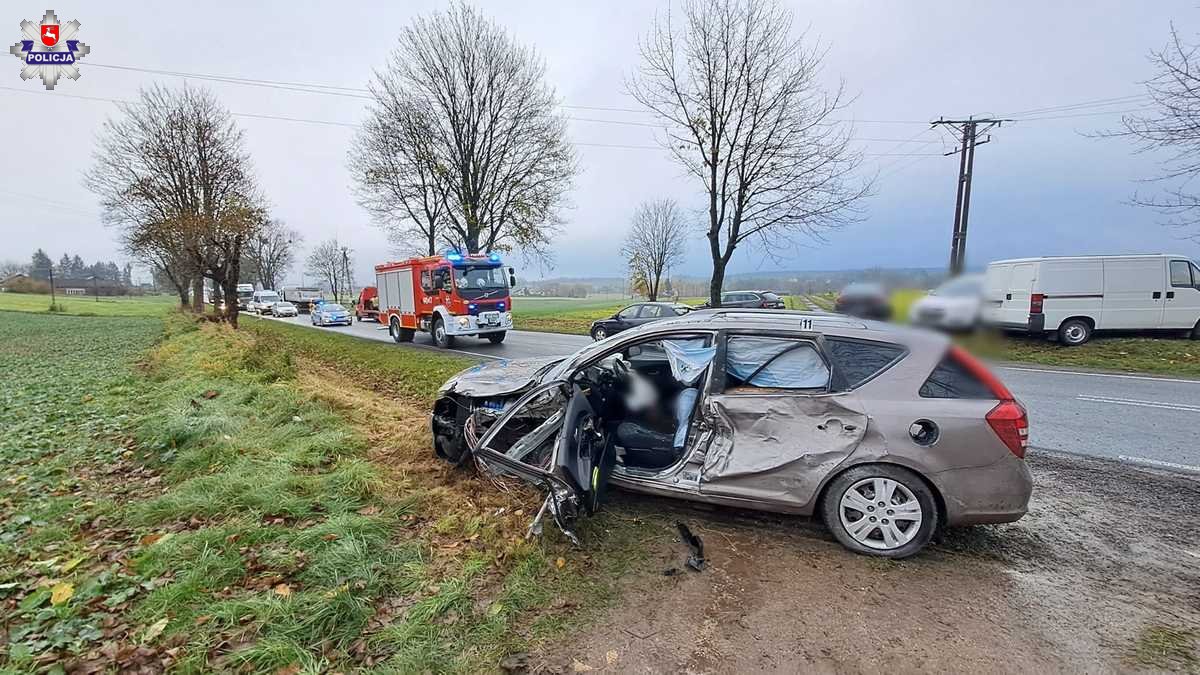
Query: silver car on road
x=884 y=433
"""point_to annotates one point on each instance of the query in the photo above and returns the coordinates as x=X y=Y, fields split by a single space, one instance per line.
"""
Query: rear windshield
x=770 y=296
x=951 y=380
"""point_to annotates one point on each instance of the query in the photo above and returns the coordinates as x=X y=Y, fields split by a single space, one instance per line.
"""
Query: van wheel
x=441 y=336
x=880 y=510
x=1074 y=332
x=496 y=338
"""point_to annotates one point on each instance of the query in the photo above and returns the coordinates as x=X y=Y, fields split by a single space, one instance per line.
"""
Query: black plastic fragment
x=696 y=560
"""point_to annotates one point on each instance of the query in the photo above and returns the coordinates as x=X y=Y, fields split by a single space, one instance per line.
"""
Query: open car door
x=551 y=438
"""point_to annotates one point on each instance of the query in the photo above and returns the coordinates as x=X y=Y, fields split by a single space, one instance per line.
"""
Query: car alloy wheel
x=880 y=513
x=599 y=334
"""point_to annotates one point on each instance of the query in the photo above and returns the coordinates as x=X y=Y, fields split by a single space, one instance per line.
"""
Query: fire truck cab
x=448 y=296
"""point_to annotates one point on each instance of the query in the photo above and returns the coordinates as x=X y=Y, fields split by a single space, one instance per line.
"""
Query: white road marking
x=1158 y=462
x=1076 y=372
x=1166 y=405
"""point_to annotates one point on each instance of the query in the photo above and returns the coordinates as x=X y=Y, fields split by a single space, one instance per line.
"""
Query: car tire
x=837 y=509
x=1195 y=334
x=1074 y=332
x=496 y=338
x=599 y=333
x=442 y=337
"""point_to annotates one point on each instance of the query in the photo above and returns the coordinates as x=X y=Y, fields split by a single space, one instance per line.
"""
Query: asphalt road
x=1152 y=421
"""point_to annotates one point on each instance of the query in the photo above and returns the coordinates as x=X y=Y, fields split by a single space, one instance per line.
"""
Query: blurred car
x=883 y=432
x=865 y=301
x=955 y=305
x=636 y=315
x=281 y=308
x=330 y=314
x=752 y=299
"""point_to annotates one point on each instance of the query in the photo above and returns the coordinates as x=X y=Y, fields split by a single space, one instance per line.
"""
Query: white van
x=1076 y=296
x=261 y=301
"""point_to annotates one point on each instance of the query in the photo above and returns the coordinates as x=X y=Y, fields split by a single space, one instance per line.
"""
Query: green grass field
x=181 y=496
x=143 y=305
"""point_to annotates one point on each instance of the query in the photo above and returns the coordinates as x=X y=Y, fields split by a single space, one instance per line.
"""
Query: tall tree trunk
x=182 y=290
x=718 y=282
x=198 y=294
x=229 y=289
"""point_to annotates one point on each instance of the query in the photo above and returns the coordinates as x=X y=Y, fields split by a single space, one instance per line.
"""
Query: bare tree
x=397 y=176
x=271 y=252
x=172 y=172
x=464 y=140
x=331 y=262
x=747 y=117
x=654 y=243
x=1172 y=126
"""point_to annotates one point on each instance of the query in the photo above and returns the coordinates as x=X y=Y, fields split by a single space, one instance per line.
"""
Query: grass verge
x=241 y=500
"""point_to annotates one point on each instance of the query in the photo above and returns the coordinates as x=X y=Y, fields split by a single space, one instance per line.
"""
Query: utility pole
x=346 y=270
x=52 y=301
x=970 y=130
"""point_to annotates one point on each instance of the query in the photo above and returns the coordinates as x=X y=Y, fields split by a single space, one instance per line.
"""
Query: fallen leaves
x=71 y=564
x=155 y=630
x=560 y=563
x=61 y=593
x=283 y=590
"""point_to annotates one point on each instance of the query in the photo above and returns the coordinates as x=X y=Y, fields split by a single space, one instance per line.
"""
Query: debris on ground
x=696 y=560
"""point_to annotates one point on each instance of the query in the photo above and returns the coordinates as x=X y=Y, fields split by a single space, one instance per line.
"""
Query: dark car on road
x=752 y=300
x=865 y=301
x=885 y=433
x=636 y=315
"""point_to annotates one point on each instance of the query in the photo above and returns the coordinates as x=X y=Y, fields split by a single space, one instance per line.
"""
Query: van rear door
x=1006 y=293
x=1133 y=293
x=995 y=287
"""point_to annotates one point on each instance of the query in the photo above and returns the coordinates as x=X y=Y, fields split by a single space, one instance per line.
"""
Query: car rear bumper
x=996 y=493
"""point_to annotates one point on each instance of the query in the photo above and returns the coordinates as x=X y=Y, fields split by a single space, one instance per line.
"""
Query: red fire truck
x=448 y=296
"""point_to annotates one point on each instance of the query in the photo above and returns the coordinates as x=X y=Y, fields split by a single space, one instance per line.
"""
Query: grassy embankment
x=200 y=499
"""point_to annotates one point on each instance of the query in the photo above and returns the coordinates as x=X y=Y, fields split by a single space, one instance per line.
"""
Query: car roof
x=777 y=320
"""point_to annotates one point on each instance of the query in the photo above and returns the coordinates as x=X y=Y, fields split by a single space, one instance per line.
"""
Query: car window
x=629 y=312
x=775 y=363
x=951 y=380
x=650 y=312
x=1181 y=273
x=860 y=360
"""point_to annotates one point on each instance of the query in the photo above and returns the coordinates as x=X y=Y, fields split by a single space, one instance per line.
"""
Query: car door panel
x=778 y=447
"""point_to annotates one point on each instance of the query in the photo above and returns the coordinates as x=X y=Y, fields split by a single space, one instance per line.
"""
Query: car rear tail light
x=1035 y=303
x=1008 y=419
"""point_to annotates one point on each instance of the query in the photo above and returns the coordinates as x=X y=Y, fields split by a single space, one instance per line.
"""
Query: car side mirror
x=635 y=351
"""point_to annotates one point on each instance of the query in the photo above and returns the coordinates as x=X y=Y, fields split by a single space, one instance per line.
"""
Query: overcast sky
x=1041 y=187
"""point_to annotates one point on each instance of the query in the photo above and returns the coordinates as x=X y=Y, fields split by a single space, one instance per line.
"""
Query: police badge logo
x=49 y=50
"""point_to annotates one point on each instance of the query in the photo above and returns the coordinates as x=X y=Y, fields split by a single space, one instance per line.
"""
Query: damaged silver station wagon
x=884 y=433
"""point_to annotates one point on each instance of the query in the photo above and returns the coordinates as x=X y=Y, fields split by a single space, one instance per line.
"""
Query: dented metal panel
x=776 y=447
x=496 y=378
